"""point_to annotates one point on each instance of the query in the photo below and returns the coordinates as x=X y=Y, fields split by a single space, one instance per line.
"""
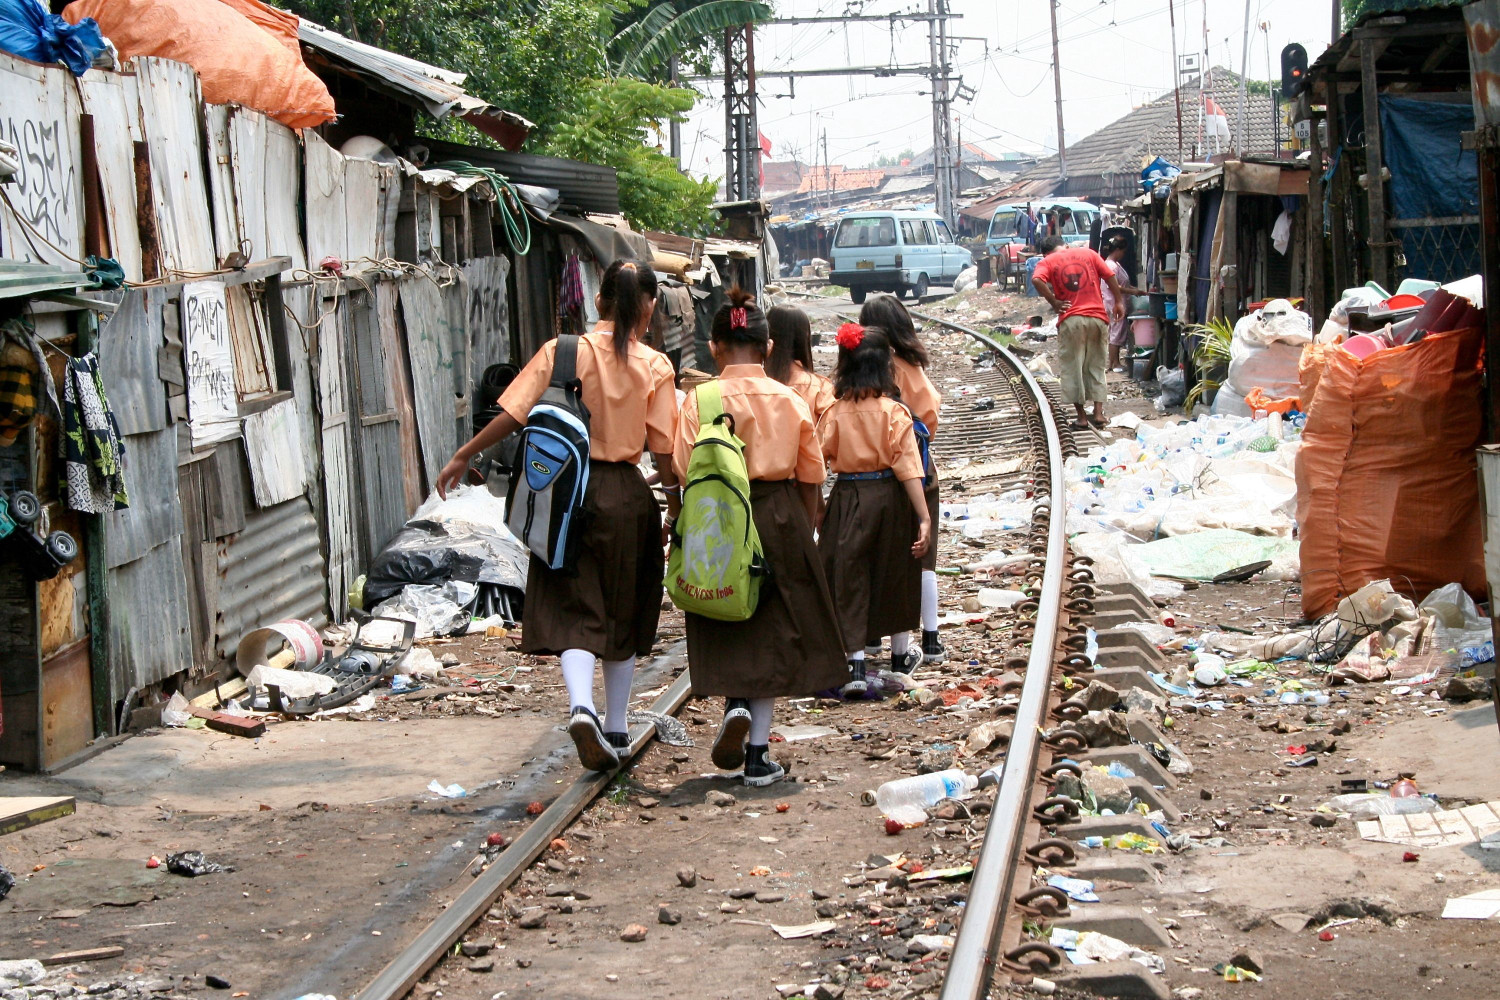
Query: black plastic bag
x=192 y=864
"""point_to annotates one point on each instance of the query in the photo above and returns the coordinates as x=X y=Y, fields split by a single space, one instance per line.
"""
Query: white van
x=890 y=251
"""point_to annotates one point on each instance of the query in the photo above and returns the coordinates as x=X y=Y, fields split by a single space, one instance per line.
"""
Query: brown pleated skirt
x=929 y=561
x=610 y=602
x=790 y=646
x=865 y=545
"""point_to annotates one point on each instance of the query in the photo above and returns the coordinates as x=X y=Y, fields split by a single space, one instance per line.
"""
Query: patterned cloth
x=21 y=364
x=93 y=454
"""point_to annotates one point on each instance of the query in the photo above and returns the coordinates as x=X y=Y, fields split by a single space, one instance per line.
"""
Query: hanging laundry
x=21 y=367
x=570 y=296
x=93 y=454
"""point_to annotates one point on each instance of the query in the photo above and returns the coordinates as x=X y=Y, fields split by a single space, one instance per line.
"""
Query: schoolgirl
x=876 y=529
x=791 y=360
x=607 y=605
x=909 y=362
x=790 y=646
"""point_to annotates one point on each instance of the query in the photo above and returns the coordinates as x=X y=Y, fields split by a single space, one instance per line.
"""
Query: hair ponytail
x=741 y=321
x=621 y=290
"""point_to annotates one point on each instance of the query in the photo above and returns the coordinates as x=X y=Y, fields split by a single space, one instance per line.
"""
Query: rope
x=513 y=218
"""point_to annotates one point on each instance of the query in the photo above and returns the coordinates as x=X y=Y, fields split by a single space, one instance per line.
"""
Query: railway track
x=1004 y=433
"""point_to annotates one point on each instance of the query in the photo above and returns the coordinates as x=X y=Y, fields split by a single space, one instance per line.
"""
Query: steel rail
x=404 y=971
x=971 y=965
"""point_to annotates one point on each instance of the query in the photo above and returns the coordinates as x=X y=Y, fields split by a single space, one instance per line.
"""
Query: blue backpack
x=551 y=474
x=924 y=446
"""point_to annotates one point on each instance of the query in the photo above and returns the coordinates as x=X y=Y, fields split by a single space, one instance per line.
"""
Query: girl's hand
x=453 y=473
x=924 y=538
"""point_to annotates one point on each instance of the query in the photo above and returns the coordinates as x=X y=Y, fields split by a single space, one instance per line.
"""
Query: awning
x=437 y=90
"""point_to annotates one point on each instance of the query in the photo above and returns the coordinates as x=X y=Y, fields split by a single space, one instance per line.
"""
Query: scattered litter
x=453 y=791
x=789 y=932
x=797 y=734
x=1088 y=947
x=1079 y=890
x=177 y=712
x=669 y=730
x=294 y=684
x=192 y=864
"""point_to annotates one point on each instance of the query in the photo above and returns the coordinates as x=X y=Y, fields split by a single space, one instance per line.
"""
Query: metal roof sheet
x=437 y=90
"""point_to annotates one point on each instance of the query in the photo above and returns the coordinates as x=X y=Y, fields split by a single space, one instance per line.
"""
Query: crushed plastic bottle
x=906 y=800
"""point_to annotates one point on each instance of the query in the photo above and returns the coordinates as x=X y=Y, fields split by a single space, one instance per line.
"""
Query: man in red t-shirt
x=1069 y=279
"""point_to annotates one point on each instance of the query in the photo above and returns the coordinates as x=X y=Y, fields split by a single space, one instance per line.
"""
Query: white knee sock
x=929 y=601
x=760 y=721
x=899 y=644
x=617 y=677
x=578 y=675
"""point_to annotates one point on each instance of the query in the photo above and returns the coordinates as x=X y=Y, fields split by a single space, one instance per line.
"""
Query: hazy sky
x=1115 y=55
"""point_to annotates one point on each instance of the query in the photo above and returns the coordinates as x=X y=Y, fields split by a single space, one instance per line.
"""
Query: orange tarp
x=244 y=51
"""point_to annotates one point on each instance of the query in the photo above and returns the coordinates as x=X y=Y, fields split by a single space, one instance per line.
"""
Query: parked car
x=1006 y=239
x=895 y=252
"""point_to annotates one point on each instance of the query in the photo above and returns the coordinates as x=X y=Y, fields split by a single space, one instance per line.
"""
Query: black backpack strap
x=565 y=362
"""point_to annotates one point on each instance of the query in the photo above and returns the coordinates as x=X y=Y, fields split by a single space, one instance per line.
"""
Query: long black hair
x=740 y=321
x=864 y=370
x=887 y=312
x=791 y=340
x=621 y=291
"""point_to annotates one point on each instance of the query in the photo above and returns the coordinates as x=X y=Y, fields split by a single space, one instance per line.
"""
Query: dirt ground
x=341 y=854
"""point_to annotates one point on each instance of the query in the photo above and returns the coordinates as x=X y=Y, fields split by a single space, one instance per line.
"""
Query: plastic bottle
x=906 y=799
x=1405 y=789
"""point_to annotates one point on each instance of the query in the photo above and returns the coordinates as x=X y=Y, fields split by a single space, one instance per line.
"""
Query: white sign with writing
x=213 y=402
x=43 y=221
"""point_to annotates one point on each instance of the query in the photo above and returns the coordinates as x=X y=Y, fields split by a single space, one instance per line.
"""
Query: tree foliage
x=650 y=34
x=549 y=61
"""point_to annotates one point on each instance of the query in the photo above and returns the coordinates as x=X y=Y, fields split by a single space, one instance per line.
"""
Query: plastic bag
x=438 y=609
x=294 y=684
x=967 y=279
x=1173 y=382
x=244 y=52
x=28 y=29
x=1368 y=805
x=1459 y=624
x=177 y=711
x=462 y=538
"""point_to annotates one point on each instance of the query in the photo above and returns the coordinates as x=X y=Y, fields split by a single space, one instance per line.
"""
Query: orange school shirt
x=780 y=437
x=631 y=402
x=918 y=392
x=868 y=435
x=815 y=390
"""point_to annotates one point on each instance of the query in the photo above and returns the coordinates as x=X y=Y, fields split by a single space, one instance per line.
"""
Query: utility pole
x=827 y=174
x=1062 y=153
x=741 y=130
x=675 y=130
x=1239 y=124
x=942 y=118
x=1177 y=86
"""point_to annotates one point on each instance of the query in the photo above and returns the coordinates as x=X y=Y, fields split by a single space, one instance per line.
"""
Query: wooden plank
x=18 y=812
x=84 y=955
x=1374 y=164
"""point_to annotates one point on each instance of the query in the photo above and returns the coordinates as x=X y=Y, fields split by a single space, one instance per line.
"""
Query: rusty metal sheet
x=154 y=516
x=1482 y=18
x=128 y=363
x=489 y=314
x=150 y=635
x=430 y=350
x=114 y=102
x=171 y=117
x=273 y=569
x=39 y=116
x=67 y=703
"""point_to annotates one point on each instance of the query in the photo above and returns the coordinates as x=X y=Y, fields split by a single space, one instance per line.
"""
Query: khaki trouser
x=1083 y=353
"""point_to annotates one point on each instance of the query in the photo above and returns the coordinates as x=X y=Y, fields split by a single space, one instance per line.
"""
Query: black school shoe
x=620 y=741
x=907 y=661
x=932 y=650
x=594 y=751
x=729 y=746
x=760 y=769
x=855 y=686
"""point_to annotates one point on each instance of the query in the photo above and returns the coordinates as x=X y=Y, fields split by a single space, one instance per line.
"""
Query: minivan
x=895 y=251
x=1006 y=238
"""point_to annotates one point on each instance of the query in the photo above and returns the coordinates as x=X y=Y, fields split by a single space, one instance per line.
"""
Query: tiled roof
x=839 y=179
x=1128 y=144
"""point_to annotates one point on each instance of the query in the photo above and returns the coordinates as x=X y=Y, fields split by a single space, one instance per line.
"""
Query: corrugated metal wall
x=270 y=570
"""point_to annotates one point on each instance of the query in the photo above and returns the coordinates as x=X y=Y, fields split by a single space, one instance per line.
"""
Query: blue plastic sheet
x=28 y=29
x=1432 y=175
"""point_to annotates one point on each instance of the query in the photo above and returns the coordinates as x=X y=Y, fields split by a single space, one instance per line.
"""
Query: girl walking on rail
x=909 y=363
x=877 y=528
x=605 y=604
x=790 y=644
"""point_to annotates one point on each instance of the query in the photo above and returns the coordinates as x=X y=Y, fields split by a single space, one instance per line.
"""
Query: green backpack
x=717 y=564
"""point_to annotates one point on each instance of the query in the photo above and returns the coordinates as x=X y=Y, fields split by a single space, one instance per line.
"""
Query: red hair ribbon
x=739 y=318
x=850 y=336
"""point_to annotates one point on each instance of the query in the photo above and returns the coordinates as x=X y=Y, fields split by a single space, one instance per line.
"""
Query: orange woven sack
x=1386 y=481
x=244 y=51
x=1310 y=370
x=1257 y=399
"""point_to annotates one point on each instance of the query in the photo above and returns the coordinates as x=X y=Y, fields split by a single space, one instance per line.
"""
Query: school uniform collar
x=743 y=371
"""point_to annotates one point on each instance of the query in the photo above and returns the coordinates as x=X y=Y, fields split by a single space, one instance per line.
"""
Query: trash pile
x=1192 y=500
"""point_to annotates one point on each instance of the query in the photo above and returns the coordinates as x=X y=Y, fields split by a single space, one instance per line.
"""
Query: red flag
x=765 y=145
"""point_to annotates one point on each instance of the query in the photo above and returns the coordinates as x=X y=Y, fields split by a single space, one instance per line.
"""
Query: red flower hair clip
x=739 y=318
x=850 y=336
